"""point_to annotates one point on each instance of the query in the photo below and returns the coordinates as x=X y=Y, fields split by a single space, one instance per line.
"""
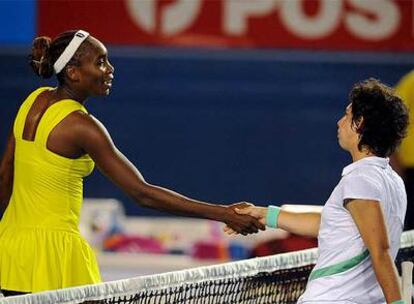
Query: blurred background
x=220 y=100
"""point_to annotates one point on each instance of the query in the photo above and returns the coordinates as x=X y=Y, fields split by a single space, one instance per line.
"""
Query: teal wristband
x=398 y=302
x=272 y=216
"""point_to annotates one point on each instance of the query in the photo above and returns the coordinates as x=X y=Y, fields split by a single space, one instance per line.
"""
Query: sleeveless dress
x=40 y=244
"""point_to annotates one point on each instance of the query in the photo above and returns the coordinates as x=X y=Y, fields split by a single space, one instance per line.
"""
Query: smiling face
x=95 y=71
x=348 y=137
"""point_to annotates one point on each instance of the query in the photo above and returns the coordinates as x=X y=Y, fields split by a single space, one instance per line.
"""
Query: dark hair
x=46 y=51
x=381 y=117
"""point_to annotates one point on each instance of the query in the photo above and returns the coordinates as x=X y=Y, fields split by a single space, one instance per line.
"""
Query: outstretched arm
x=300 y=223
x=6 y=173
x=305 y=224
x=95 y=140
x=369 y=218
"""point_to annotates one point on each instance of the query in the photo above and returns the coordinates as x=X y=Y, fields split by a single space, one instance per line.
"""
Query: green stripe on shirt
x=339 y=267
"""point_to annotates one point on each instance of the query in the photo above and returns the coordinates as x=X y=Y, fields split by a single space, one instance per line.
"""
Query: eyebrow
x=102 y=55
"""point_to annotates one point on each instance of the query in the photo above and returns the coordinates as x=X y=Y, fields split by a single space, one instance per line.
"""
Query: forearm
x=387 y=276
x=305 y=224
x=159 y=198
x=126 y=176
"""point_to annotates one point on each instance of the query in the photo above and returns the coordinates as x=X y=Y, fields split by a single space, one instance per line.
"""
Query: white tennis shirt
x=343 y=272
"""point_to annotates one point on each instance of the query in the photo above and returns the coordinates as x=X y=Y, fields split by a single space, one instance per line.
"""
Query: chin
x=341 y=144
x=102 y=93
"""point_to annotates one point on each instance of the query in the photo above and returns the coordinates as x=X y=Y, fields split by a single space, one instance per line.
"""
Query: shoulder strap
x=24 y=109
x=53 y=116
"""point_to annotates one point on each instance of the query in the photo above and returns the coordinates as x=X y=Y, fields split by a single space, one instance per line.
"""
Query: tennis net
x=274 y=279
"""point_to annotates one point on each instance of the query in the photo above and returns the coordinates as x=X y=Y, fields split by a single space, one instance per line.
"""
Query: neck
x=66 y=92
x=360 y=154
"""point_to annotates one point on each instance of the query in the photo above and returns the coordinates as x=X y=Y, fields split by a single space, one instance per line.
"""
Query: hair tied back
x=39 y=57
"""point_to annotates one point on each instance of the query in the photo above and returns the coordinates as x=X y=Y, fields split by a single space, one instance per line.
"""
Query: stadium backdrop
x=222 y=100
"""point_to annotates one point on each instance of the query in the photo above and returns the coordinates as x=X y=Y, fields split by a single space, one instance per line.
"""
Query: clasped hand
x=245 y=218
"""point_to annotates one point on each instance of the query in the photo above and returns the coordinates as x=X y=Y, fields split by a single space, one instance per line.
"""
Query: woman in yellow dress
x=53 y=145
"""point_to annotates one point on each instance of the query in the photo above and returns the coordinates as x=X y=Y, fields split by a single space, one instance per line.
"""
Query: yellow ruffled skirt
x=39 y=259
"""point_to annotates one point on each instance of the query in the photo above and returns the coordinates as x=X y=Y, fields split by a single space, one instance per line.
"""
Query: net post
x=407 y=281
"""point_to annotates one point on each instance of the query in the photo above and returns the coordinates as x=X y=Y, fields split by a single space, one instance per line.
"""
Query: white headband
x=70 y=50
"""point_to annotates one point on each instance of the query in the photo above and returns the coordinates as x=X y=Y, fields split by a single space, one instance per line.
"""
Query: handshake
x=245 y=218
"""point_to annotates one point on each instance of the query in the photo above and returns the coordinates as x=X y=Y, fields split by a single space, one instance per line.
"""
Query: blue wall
x=17 y=21
x=222 y=126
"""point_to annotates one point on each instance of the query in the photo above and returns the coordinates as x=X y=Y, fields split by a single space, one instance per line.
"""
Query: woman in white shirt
x=360 y=227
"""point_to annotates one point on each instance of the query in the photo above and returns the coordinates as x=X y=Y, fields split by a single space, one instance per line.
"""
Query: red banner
x=311 y=24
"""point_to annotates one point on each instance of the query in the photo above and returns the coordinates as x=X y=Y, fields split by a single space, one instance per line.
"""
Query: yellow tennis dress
x=40 y=244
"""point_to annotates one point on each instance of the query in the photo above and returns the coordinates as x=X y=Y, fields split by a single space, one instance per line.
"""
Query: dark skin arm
x=6 y=173
x=92 y=137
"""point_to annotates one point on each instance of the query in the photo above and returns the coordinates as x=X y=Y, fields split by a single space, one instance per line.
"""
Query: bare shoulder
x=85 y=124
x=88 y=132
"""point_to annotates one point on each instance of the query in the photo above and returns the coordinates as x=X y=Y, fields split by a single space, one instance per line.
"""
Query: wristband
x=398 y=302
x=272 y=216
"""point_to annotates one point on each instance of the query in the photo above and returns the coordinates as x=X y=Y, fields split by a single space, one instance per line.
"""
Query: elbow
x=141 y=194
x=379 y=253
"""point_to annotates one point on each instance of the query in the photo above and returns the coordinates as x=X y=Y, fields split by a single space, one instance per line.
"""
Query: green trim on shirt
x=339 y=267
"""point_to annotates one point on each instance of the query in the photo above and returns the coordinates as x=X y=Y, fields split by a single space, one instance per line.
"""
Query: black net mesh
x=281 y=286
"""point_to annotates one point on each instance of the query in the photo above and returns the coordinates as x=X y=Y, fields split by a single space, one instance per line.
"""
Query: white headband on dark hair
x=70 y=50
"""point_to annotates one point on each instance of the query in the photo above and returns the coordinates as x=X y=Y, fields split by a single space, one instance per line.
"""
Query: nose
x=339 y=122
x=110 y=69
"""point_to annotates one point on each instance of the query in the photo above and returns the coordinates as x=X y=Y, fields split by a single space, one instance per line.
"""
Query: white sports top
x=343 y=272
